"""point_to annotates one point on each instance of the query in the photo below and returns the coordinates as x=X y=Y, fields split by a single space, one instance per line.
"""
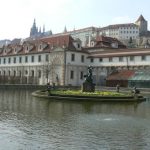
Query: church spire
x=65 y=30
x=43 y=28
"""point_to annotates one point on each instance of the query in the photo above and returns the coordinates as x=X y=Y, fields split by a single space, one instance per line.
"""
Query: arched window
x=32 y=73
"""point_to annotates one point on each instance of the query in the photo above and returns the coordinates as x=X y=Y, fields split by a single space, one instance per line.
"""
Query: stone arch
x=57 y=68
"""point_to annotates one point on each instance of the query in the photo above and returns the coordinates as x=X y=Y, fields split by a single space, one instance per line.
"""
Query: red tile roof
x=121 y=75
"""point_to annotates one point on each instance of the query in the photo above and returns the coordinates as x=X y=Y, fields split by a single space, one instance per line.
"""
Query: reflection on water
x=28 y=123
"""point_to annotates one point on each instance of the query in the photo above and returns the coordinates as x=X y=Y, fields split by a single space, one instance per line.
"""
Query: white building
x=62 y=60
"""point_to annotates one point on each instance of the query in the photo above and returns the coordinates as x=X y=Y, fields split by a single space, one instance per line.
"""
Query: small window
x=100 y=59
x=78 y=45
x=72 y=57
x=82 y=58
x=26 y=72
x=120 y=59
x=46 y=58
x=131 y=58
x=32 y=73
x=14 y=60
x=92 y=60
x=39 y=58
x=26 y=59
x=19 y=73
x=32 y=58
x=9 y=73
x=20 y=59
x=14 y=73
x=71 y=74
x=4 y=61
x=9 y=60
x=110 y=59
x=143 y=58
x=39 y=74
x=81 y=75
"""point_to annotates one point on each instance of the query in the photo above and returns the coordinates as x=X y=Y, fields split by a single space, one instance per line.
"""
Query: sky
x=17 y=15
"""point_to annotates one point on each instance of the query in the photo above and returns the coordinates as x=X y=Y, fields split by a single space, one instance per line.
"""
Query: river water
x=29 y=123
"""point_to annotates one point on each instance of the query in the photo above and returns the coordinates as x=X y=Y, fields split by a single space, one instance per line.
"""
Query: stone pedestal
x=88 y=87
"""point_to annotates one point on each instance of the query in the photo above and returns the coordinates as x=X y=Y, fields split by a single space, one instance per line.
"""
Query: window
x=32 y=58
x=14 y=73
x=71 y=74
x=9 y=60
x=46 y=58
x=72 y=57
x=82 y=58
x=4 y=61
x=20 y=59
x=14 y=60
x=110 y=59
x=120 y=59
x=9 y=73
x=39 y=58
x=26 y=59
x=92 y=60
x=131 y=58
x=143 y=58
x=19 y=73
x=81 y=75
x=100 y=59
x=78 y=45
x=39 y=74
x=26 y=72
x=32 y=73
x=0 y=61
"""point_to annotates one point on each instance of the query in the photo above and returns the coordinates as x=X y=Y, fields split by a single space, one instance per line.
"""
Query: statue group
x=88 y=85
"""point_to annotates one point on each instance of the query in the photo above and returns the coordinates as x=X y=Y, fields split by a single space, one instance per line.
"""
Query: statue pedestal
x=88 y=87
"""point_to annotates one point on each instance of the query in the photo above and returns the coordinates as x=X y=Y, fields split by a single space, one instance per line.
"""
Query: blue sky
x=17 y=15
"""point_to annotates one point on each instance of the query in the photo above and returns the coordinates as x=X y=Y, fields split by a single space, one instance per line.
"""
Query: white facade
x=121 y=32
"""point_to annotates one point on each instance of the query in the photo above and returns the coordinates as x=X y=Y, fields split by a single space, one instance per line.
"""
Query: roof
x=121 y=75
x=141 y=18
x=119 y=53
x=116 y=26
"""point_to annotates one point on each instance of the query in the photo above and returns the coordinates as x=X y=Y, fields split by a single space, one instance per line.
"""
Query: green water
x=29 y=123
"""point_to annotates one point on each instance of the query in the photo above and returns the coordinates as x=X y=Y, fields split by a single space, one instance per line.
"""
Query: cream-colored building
x=61 y=60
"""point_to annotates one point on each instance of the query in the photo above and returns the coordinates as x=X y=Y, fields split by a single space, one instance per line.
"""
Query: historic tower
x=142 y=23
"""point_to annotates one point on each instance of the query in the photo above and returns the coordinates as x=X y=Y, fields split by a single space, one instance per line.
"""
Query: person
x=48 y=89
x=117 y=88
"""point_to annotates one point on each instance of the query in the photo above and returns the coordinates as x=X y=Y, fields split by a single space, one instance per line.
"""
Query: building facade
x=62 y=60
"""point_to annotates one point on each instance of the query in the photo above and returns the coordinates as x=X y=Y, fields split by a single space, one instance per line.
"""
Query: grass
x=80 y=93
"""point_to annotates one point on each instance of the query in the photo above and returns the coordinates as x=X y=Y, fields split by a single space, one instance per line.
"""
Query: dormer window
x=78 y=45
x=92 y=44
x=40 y=46
x=114 y=45
x=15 y=50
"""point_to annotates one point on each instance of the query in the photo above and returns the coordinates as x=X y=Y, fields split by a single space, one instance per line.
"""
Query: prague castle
x=63 y=58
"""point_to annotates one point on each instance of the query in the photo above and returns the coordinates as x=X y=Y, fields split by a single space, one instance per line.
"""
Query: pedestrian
x=117 y=88
x=48 y=89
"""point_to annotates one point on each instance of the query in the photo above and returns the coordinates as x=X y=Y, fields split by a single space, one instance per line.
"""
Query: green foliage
x=80 y=93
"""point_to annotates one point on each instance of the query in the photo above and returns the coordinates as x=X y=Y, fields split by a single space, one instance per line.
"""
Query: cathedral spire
x=65 y=30
x=43 y=28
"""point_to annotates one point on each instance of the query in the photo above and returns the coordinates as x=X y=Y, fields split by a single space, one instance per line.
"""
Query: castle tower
x=142 y=23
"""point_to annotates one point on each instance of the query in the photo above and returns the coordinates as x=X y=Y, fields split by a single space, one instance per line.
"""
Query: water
x=29 y=123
